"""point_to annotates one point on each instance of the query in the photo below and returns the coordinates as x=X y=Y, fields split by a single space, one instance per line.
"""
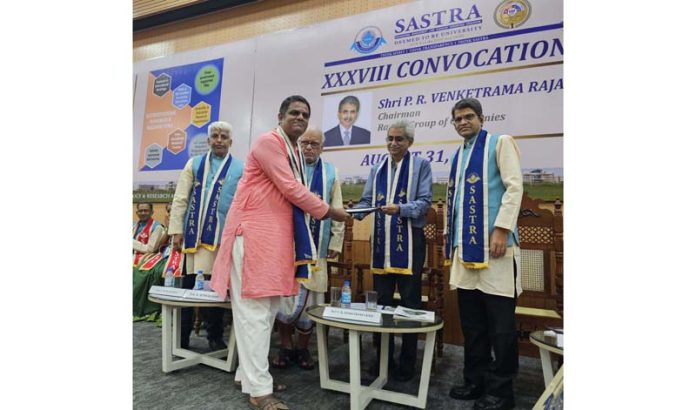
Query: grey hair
x=220 y=126
x=312 y=128
x=406 y=126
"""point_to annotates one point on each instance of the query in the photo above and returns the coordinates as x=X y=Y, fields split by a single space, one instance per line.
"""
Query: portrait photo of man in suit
x=346 y=133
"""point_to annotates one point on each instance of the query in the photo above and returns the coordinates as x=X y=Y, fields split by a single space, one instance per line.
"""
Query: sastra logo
x=368 y=40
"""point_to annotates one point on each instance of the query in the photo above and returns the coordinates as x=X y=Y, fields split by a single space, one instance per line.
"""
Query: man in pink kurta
x=256 y=260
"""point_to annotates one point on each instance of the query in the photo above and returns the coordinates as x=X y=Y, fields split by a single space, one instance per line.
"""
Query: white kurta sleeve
x=508 y=157
x=337 y=228
x=181 y=199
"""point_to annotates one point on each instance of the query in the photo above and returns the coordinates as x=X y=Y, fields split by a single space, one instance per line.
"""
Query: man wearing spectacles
x=484 y=195
x=322 y=179
x=401 y=187
x=266 y=248
x=346 y=132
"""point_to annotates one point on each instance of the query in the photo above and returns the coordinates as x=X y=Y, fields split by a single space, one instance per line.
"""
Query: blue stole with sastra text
x=305 y=251
x=471 y=192
x=391 y=234
x=204 y=225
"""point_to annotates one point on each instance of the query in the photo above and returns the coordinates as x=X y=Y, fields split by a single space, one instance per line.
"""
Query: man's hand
x=499 y=242
x=391 y=209
x=333 y=254
x=337 y=214
x=177 y=240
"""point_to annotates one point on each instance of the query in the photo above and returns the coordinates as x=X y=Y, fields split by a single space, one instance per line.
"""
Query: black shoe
x=402 y=375
x=468 y=391
x=216 y=344
x=489 y=402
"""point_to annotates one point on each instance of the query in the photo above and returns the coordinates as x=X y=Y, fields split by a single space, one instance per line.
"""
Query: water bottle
x=169 y=278
x=346 y=294
x=200 y=281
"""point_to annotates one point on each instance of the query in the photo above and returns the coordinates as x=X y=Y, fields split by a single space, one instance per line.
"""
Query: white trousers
x=253 y=323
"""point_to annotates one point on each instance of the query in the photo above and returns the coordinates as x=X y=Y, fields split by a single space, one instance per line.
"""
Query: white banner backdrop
x=409 y=62
x=425 y=57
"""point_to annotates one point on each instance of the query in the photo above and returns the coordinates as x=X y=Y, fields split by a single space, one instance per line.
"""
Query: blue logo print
x=368 y=40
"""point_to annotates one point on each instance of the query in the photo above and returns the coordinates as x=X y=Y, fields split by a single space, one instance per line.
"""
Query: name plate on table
x=352 y=315
x=185 y=295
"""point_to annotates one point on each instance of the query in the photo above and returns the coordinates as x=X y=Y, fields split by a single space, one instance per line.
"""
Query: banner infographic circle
x=207 y=79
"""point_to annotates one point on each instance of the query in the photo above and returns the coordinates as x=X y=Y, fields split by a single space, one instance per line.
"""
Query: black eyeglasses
x=467 y=118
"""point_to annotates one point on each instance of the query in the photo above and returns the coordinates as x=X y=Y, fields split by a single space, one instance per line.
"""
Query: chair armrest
x=336 y=264
x=436 y=279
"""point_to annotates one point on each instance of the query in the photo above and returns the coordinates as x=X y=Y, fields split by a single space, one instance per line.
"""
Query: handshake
x=337 y=214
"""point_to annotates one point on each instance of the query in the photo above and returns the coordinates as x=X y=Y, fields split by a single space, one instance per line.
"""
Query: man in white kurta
x=203 y=195
x=484 y=254
x=292 y=314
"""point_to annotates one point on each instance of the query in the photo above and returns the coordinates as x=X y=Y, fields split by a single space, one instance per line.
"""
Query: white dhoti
x=293 y=309
x=253 y=323
x=202 y=260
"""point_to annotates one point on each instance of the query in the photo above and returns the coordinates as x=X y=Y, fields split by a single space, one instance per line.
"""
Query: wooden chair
x=541 y=246
x=433 y=296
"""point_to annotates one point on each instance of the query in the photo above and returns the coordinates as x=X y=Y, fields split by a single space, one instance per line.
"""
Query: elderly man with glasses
x=401 y=187
x=322 y=179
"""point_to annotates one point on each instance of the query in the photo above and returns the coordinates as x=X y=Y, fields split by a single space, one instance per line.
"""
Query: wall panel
x=245 y=22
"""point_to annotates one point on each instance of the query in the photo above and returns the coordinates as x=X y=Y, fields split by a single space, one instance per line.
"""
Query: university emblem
x=368 y=40
x=473 y=178
x=512 y=13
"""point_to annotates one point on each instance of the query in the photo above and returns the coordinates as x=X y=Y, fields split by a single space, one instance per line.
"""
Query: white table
x=361 y=396
x=171 y=339
x=547 y=345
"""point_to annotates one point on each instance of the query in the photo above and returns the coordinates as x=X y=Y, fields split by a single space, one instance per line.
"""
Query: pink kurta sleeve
x=273 y=159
